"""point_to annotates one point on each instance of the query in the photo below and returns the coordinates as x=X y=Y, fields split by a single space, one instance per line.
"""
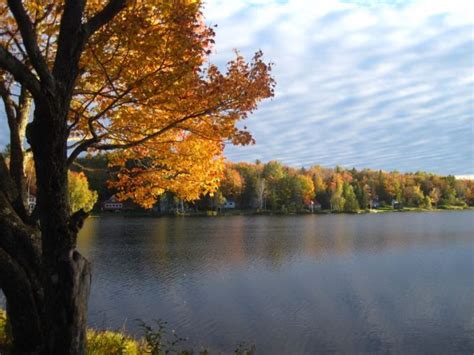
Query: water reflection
x=391 y=282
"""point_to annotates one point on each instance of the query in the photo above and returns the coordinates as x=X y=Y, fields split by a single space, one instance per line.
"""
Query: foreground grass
x=155 y=341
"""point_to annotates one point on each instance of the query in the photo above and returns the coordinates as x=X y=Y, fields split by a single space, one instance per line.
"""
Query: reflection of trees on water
x=215 y=244
x=339 y=282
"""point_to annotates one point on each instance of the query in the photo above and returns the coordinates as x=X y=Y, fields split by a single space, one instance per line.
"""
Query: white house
x=31 y=203
x=229 y=204
x=112 y=204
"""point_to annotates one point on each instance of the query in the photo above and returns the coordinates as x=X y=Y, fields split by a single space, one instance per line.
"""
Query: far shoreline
x=229 y=213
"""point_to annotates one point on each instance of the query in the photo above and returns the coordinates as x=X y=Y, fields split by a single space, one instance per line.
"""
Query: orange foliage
x=148 y=92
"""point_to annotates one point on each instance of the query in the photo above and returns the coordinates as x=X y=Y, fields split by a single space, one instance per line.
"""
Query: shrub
x=108 y=342
x=155 y=341
x=4 y=334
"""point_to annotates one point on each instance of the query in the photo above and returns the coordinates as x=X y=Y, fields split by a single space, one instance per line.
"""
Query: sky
x=368 y=84
x=381 y=84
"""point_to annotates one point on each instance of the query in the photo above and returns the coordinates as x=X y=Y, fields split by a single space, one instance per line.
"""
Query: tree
x=414 y=195
x=434 y=196
x=351 y=204
x=469 y=197
x=95 y=168
x=426 y=202
x=80 y=196
x=286 y=193
x=251 y=174
x=128 y=76
x=232 y=183
x=362 y=192
x=273 y=171
x=320 y=187
x=392 y=187
x=336 y=186
x=295 y=191
x=305 y=190
x=261 y=185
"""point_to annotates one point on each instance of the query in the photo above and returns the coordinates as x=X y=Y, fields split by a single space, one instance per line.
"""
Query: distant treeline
x=279 y=188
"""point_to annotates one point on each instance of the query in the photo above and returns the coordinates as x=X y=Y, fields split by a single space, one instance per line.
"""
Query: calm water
x=399 y=282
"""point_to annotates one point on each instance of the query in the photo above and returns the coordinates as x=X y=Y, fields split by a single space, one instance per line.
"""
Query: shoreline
x=249 y=212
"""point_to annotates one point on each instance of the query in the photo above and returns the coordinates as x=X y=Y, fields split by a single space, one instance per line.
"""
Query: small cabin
x=314 y=206
x=374 y=204
x=31 y=203
x=396 y=205
x=229 y=204
x=112 y=204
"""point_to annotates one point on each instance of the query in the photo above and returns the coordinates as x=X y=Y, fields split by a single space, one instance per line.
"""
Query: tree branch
x=18 y=239
x=81 y=148
x=20 y=72
x=71 y=40
x=104 y=16
x=7 y=185
x=7 y=102
x=154 y=134
x=30 y=43
x=17 y=117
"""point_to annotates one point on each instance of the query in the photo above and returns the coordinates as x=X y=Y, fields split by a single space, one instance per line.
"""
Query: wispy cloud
x=386 y=84
x=381 y=84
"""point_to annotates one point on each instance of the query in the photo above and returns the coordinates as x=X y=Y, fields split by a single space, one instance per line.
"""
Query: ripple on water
x=298 y=284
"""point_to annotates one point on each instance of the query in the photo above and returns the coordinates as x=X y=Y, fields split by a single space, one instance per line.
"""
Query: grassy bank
x=155 y=341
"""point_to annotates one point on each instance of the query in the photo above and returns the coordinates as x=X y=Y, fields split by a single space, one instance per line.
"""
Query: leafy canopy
x=148 y=92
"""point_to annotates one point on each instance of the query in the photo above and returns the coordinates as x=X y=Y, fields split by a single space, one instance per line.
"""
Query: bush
x=158 y=341
x=4 y=334
x=155 y=341
x=108 y=342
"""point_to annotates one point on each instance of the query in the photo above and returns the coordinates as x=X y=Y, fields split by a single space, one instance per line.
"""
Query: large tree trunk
x=53 y=320
x=23 y=312
x=66 y=293
x=45 y=318
x=45 y=280
x=47 y=300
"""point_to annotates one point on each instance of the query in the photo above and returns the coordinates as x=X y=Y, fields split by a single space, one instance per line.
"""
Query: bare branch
x=29 y=41
x=81 y=148
x=20 y=72
x=7 y=102
x=154 y=134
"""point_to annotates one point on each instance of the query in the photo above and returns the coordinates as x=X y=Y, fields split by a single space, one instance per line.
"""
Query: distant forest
x=278 y=188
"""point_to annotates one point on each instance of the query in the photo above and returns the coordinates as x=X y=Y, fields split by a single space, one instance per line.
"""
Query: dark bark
x=20 y=251
x=45 y=280
x=23 y=307
x=28 y=35
x=65 y=273
x=20 y=72
x=17 y=117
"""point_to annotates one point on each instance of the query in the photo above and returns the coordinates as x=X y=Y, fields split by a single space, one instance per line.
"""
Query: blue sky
x=378 y=84
x=383 y=84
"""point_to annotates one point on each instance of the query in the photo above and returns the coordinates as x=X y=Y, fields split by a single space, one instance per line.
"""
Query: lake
x=392 y=282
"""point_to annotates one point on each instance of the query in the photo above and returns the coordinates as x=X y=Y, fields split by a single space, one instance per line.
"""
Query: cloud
x=380 y=84
x=385 y=84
